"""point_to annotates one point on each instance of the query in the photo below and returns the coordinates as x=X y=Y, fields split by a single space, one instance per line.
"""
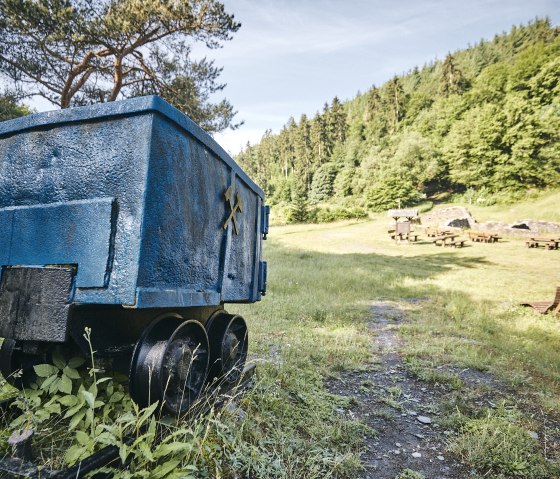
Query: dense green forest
x=482 y=123
x=9 y=108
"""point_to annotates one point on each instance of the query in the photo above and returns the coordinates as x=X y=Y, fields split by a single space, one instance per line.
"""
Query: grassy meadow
x=541 y=205
x=323 y=278
x=331 y=273
x=313 y=325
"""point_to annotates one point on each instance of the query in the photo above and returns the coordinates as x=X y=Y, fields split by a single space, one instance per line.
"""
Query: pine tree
x=328 y=131
x=303 y=150
x=452 y=80
x=299 y=207
x=9 y=108
x=79 y=52
x=322 y=185
x=394 y=101
x=318 y=139
x=337 y=119
x=373 y=104
x=287 y=153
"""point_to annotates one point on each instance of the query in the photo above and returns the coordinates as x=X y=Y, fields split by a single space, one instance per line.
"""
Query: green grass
x=497 y=444
x=313 y=323
x=410 y=474
x=541 y=206
x=427 y=371
x=471 y=314
x=324 y=277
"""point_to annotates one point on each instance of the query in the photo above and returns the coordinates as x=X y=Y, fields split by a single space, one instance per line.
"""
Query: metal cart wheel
x=229 y=341
x=169 y=364
x=16 y=365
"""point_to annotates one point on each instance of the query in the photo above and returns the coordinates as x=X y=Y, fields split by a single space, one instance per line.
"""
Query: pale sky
x=291 y=56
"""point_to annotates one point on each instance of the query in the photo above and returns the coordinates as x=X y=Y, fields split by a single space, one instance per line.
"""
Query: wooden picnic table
x=444 y=240
x=481 y=236
x=404 y=236
x=433 y=232
x=547 y=242
x=448 y=240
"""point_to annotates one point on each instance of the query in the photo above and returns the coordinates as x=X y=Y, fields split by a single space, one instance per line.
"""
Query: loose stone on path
x=424 y=419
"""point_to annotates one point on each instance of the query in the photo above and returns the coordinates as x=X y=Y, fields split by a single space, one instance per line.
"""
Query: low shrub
x=336 y=213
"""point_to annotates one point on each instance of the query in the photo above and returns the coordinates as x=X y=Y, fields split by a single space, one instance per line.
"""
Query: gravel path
x=400 y=408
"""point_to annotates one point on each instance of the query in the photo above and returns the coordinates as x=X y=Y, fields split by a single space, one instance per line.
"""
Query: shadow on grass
x=310 y=288
x=380 y=266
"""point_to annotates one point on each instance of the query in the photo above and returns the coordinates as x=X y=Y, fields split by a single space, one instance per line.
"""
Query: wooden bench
x=548 y=243
x=481 y=236
x=458 y=243
x=431 y=232
x=475 y=236
x=531 y=243
x=544 y=307
x=404 y=236
x=444 y=240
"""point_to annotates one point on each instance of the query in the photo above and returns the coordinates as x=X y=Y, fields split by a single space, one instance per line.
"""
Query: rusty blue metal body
x=132 y=194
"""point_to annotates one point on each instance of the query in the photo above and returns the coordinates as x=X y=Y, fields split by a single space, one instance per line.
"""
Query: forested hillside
x=483 y=122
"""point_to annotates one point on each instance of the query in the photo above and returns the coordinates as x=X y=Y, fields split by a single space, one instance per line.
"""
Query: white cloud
x=233 y=141
x=286 y=28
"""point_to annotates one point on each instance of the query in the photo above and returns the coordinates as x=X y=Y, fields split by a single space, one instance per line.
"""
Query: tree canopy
x=78 y=52
x=485 y=120
x=10 y=109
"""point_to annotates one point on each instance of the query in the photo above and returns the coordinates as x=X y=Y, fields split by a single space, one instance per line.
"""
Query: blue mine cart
x=128 y=219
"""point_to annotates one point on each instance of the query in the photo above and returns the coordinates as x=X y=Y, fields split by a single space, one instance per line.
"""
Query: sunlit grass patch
x=520 y=346
x=496 y=445
x=459 y=305
x=428 y=371
x=544 y=206
x=286 y=426
x=410 y=474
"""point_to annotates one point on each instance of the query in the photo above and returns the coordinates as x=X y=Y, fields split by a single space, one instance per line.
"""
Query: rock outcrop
x=460 y=217
x=454 y=216
x=521 y=229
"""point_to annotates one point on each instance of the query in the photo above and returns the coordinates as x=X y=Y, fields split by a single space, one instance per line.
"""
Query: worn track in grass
x=392 y=402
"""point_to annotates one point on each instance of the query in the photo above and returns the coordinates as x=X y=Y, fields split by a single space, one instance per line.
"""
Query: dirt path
x=402 y=409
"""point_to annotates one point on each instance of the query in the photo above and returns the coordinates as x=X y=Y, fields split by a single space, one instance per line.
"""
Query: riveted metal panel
x=187 y=234
x=71 y=162
x=76 y=232
x=181 y=234
x=240 y=283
